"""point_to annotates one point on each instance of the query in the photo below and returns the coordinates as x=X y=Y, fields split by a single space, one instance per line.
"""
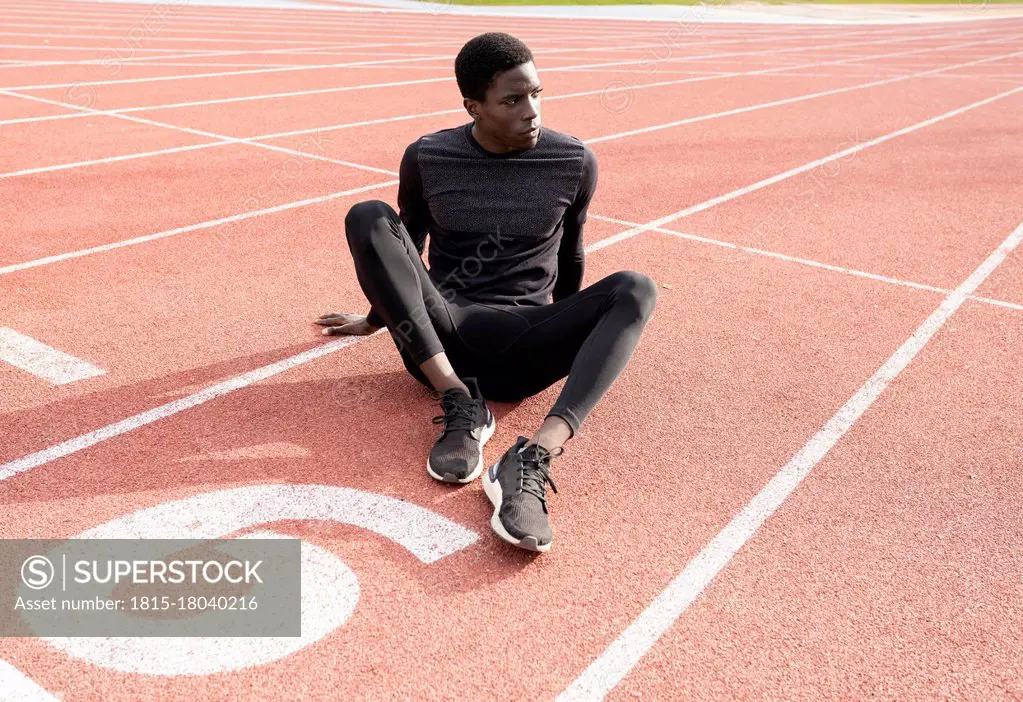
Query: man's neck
x=488 y=145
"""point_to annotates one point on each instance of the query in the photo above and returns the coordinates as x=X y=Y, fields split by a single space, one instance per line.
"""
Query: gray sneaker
x=516 y=486
x=457 y=455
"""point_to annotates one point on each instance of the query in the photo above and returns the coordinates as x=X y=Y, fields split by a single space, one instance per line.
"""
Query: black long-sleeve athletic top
x=504 y=228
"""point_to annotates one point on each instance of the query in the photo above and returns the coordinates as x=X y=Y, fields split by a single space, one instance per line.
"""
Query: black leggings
x=513 y=351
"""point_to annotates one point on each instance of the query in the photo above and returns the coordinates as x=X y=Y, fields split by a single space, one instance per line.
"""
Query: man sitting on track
x=500 y=313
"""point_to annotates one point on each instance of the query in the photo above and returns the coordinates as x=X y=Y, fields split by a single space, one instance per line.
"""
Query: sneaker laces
x=458 y=411
x=534 y=471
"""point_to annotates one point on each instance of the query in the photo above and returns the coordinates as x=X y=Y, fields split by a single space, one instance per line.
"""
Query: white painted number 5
x=330 y=590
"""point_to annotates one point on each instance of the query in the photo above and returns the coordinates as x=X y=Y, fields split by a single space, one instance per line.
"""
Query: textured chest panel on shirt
x=520 y=198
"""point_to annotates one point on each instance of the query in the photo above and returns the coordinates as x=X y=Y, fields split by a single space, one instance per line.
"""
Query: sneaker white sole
x=494 y=493
x=488 y=431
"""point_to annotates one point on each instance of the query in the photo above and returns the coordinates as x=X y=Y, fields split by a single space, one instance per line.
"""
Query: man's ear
x=472 y=107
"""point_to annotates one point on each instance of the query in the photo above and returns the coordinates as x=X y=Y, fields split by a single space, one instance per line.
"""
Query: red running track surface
x=804 y=485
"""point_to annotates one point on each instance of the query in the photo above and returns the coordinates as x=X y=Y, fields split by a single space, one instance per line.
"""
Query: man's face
x=510 y=116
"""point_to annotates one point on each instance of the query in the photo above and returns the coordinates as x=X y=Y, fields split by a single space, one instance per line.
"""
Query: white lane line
x=806 y=262
x=55 y=47
x=111 y=159
x=13 y=268
x=798 y=98
x=618 y=659
x=713 y=202
x=15 y=686
x=192 y=64
x=66 y=448
x=1006 y=77
x=42 y=361
x=199 y=132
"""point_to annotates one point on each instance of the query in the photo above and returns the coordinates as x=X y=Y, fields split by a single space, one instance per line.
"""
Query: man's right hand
x=345 y=323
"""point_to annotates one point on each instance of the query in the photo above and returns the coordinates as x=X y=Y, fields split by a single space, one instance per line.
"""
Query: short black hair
x=485 y=56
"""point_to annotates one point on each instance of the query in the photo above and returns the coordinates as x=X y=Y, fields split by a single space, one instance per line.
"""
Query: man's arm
x=571 y=254
x=412 y=208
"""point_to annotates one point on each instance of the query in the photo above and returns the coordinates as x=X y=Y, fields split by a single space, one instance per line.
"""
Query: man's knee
x=638 y=291
x=366 y=220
